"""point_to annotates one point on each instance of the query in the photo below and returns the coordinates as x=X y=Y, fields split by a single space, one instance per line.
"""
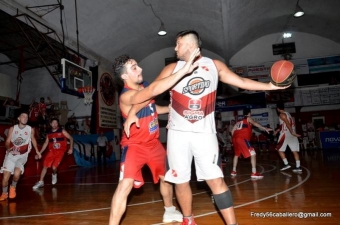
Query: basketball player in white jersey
x=191 y=125
x=287 y=137
x=18 y=144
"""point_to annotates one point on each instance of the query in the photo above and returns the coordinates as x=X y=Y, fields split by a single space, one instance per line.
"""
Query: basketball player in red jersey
x=142 y=146
x=43 y=106
x=191 y=125
x=56 y=141
x=241 y=135
x=18 y=144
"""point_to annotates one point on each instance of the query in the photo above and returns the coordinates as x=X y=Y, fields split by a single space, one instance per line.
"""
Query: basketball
x=282 y=73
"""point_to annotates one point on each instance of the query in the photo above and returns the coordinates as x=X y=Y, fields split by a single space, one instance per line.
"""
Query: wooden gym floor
x=83 y=195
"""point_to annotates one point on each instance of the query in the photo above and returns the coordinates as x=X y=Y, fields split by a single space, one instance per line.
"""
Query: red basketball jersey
x=243 y=129
x=34 y=114
x=148 y=121
x=57 y=140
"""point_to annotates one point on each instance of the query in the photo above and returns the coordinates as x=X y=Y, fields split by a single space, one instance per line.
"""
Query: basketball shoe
x=188 y=221
x=12 y=192
x=256 y=175
x=297 y=170
x=39 y=184
x=4 y=196
x=172 y=215
x=54 y=178
x=233 y=173
x=285 y=167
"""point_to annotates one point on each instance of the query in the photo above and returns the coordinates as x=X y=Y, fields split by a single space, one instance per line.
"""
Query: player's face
x=23 y=118
x=183 y=47
x=134 y=72
x=54 y=124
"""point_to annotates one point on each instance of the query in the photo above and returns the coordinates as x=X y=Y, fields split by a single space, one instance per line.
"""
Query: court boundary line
x=149 y=202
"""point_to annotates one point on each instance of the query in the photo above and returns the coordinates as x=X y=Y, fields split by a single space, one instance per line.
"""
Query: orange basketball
x=282 y=73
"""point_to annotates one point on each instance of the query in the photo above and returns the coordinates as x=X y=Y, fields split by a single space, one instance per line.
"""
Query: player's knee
x=223 y=200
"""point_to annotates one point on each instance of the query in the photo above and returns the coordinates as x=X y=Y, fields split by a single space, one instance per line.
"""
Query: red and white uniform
x=57 y=146
x=192 y=125
x=143 y=146
x=241 y=138
x=286 y=138
x=21 y=140
x=193 y=99
x=20 y=146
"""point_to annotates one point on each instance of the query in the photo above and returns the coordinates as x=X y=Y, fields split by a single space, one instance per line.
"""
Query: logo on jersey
x=193 y=113
x=196 y=86
x=19 y=141
x=153 y=126
x=56 y=145
x=194 y=104
x=174 y=173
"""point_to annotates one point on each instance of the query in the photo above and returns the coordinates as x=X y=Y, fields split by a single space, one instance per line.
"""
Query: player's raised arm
x=159 y=86
x=229 y=77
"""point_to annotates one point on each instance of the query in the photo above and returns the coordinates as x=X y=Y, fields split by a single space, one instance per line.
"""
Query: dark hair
x=56 y=119
x=22 y=112
x=119 y=64
x=246 y=111
x=280 y=105
x=194 y=33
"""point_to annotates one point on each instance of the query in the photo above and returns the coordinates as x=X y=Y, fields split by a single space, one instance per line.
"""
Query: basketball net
x=88 y=93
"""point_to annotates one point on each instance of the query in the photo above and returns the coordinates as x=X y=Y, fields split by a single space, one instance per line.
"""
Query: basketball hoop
x=88 y=92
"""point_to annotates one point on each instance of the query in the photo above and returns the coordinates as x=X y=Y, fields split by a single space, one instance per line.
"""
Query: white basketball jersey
x=193 y=99
x=283 y=125
x=21 y=140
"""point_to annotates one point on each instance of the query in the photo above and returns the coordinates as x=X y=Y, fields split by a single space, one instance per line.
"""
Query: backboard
x=74 y=77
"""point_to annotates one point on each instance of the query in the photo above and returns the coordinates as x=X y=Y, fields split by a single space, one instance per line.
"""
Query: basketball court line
x=258 y=200
x=150 y=202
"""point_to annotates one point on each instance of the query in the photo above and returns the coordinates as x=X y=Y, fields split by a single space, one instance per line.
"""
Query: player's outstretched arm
x=70 y=138
x=229 y=77
x=159 y=86
x=256 y=124
x=43 y=148
x=34 y=142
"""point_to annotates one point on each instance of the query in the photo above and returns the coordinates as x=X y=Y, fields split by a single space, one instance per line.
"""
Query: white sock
x=285 y=161
x=297 y=163
x=170 y=209
x=253 y=170
x=234 y=169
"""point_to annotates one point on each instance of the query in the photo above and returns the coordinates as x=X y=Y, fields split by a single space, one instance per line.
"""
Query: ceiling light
x=287 y=35
x=298 y=11
x=162 y=30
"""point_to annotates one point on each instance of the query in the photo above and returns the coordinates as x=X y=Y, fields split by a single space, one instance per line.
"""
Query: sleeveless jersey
x=283 y=126
x=21 y=140
x=42 y=108
x=148 y=121
x=57 y=140
x=243 y=129
x=34 y=114
x=193 y=99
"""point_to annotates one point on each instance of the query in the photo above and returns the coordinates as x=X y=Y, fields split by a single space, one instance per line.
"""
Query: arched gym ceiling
x=109 y=28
